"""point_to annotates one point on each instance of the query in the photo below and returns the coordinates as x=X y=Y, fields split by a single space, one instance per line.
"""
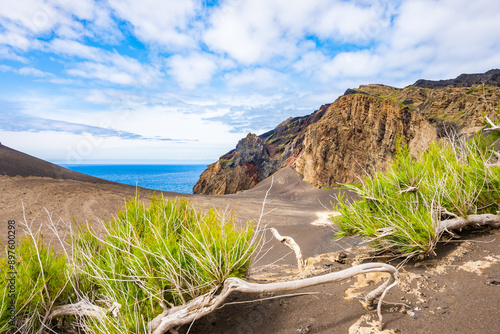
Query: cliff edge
x=356 y=135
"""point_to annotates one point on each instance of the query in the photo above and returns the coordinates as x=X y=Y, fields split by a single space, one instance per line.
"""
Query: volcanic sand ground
x=456 y=292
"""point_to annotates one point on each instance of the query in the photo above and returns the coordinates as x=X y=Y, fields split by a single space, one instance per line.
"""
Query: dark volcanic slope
x=15 y=163
x=490 y=78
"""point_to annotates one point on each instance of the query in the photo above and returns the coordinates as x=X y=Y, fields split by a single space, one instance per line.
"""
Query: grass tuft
x=399 y=211
x=147 y=258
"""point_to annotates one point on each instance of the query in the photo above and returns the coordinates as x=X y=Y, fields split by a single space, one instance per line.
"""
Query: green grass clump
x=41 y=281
x=165 y=253
x=399 y=211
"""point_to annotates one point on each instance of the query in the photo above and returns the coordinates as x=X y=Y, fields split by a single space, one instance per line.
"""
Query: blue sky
x=176 y=81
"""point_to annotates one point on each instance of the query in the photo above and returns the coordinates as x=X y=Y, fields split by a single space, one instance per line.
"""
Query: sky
x=181 y=81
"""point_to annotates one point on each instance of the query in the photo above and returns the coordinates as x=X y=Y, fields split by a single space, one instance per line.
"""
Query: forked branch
x=207 y=303
x=494 y=127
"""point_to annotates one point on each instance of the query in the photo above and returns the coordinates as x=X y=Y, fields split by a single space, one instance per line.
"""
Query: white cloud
x=17 y=40
x=348 y=21
x=449 y=35
x=353 y=64
x=165 y=22
x=193 y=70
x=104 y=65
x=26 y=71
x=256 y=31
x=7 y=53
x=428 y=39
x=102 y=72
x=75 y=49
x=36 y=17
x=309 y=62
x=260 y=78
x=248 y=32
x=33 y=72
x=25 y=21
x=6 y=68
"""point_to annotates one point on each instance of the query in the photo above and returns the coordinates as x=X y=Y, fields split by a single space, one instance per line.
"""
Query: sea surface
x=175 y=178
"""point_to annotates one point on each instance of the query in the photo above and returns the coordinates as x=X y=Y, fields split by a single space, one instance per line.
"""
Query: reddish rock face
x=354 y=136
x=256 y=157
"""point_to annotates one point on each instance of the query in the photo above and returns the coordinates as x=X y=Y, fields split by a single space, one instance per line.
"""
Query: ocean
x=175 y=178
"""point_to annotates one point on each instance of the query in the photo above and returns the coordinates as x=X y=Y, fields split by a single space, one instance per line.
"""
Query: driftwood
x=203 y=305
x=172 y=318
x=207 y=303
x=457 y=223
x=494 y=127
x=84 y=308
x=289 y=242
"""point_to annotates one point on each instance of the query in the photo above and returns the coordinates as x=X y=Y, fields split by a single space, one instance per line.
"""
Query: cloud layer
x=242 y=65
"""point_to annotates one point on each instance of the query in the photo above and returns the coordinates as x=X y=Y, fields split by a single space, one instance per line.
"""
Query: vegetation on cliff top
x=408 y=209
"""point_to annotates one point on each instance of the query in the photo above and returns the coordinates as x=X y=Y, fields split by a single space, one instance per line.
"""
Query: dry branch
x=494 y=127
x=83 y=308
x=457 y=223
x=207 y=303
x=289 y=242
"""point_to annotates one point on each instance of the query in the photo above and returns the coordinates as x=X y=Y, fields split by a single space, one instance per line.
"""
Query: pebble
x=417 y=309
x=441 y=310
x=304 y=329
x=411 y=314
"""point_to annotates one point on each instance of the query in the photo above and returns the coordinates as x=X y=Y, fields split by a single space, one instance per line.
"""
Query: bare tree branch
x=486 y=219
x=84 y=308
x=289 y=242
x=494 y=127
x=207 y=303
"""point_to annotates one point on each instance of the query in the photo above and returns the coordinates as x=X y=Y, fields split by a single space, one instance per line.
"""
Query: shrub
x=149 y=256
x=41 y=281
x=166 y=252
x=399 y=211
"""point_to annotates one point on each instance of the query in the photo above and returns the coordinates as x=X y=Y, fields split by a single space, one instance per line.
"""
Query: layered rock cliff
x=257 y=157
x=356 y=135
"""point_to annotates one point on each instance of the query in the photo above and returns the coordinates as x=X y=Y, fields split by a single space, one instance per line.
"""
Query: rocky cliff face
x=256 y=157
x=452 y=108
x=356 y=134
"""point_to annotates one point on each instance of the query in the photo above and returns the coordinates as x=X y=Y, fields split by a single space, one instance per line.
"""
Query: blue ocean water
x=176 y=178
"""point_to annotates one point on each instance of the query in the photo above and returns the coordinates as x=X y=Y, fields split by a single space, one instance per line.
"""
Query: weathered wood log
x=209 y=302
x=84 y=308
x=487 y=219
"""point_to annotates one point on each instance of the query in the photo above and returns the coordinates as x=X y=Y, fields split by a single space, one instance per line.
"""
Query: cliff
x=257 y=157
x=356 y=135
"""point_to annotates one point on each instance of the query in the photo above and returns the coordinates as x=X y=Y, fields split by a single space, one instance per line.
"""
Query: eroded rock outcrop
x=356 y=135
x=257 y=157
